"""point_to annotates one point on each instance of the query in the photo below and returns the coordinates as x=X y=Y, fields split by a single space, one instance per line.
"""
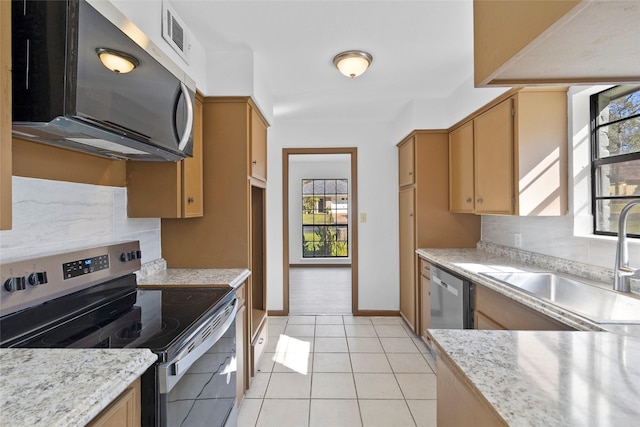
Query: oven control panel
x=30 y=282
x=84 y=266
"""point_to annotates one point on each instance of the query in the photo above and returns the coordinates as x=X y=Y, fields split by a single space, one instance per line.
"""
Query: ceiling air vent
x=174 y=31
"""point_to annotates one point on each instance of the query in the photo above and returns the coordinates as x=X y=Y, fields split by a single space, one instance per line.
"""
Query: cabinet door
x=483 y=322
x=461 y=169
x=258 y=146
x=192 y=170
x=405 y=163
x=168 y=189
x=493 y=132
x=407 y=257
x=241 y=354
x=425 y=304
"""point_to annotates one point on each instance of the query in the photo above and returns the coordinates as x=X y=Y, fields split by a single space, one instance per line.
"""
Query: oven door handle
x=172 y=372
x=181 y=366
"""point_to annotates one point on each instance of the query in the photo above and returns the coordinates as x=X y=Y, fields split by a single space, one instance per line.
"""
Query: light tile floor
x=332 y=371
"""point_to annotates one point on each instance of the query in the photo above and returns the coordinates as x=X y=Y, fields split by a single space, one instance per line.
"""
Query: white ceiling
x=421 y=50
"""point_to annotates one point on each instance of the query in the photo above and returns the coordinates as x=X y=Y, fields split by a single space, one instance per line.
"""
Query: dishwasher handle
x=444 y=285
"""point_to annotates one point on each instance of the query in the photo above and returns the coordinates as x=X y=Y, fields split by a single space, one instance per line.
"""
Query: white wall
x=567 y=236
x=311 y=166
x=147 y=16
x=377 y=196
x=55 y=216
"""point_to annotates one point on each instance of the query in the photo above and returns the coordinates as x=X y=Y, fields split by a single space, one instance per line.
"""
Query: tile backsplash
x=555 y=236
x=56 y=216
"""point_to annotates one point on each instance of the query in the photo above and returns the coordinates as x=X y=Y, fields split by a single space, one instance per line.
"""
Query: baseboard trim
x=277 y=313
x=389 y=313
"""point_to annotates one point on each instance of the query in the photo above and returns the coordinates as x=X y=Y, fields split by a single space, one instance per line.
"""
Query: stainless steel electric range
x=89 y=299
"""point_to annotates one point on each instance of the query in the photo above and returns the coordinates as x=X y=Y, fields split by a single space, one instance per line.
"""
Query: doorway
x=320 y=251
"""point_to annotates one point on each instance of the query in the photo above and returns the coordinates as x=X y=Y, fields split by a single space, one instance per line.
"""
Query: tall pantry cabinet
x=231 y=231
x=425 y=220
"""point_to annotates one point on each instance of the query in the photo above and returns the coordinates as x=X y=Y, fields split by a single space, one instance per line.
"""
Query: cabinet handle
x=190 y=200
x=468 y=200
x=260 y=341
x=479 y=199
x=410 y=173
x=255 y=162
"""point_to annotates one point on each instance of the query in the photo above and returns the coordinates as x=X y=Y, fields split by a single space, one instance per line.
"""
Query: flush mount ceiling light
x=352 y=63
x=116 y=61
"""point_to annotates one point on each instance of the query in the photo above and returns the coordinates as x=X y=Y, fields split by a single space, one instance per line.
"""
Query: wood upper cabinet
x=461 y=192
x=526 y=42
x=258 y=146
x=493 y=154
x=405 y=164
x=5 y=116
x=168 y=189
x=425 y=220
x=519 y=155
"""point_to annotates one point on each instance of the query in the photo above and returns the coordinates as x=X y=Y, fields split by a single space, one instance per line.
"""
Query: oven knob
x=125 y=256
x=139 y=254
x=13 y=284
x=39 y=278
x=133 y=254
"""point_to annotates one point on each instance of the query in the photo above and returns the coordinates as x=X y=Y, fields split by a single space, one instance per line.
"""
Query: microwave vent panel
x=174 y=32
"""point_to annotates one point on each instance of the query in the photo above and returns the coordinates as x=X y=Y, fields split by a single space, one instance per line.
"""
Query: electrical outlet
x=363 y=217
x=517 y=240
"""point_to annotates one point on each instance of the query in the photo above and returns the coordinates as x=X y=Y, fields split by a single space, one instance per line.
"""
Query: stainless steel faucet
x=622 y=273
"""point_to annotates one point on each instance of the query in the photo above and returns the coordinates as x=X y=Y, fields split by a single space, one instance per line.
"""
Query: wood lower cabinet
x=5 y=116
x=425 y=220
x=124 y=411
x=496 y=311
x=168 y=189
x=510 y=157
x=425 y=298
x=459 y=403
x=242 y=345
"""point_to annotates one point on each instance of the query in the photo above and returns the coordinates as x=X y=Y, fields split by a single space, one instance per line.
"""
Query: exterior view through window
x=325 y=225
x=615 y=163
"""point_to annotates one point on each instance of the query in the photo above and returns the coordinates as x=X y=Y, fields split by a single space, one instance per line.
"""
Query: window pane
x=619 y=138
x=607 y=215
x=618 y=179
x=618 y=102
x=324 y=205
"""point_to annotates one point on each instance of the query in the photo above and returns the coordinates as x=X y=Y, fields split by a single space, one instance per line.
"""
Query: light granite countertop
x=547 y=378
x=468 y=263
x=64 y=387
x=195 y=277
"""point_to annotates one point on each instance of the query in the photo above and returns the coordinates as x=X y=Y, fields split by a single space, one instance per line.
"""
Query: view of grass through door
x=325 y=215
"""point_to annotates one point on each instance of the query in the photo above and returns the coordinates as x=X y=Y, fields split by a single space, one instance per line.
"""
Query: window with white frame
x=615 y=171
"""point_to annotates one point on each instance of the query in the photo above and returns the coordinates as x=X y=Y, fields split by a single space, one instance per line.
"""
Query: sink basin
x=594 y=303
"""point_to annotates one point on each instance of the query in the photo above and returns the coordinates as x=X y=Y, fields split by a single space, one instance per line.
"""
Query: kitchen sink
x=586 y=300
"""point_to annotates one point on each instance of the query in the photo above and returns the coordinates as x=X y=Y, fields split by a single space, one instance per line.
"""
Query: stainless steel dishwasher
x=451 y=301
